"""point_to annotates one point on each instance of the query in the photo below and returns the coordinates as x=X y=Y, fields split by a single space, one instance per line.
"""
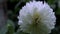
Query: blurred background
x=9 y=10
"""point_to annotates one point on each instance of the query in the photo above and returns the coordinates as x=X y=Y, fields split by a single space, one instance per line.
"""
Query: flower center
x=35 y=18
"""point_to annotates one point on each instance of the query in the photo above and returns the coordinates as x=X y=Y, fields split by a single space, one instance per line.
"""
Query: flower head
x=36 y=18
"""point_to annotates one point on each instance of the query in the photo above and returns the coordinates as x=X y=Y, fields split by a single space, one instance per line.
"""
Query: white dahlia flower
x=36 y=18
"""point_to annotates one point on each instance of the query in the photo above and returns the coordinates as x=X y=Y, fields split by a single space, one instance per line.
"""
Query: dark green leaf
x=10 y=27
x=58 y=11
x=4 y=30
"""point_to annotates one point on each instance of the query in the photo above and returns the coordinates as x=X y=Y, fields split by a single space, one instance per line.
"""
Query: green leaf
x=58 y=11
x=4 y=30
x=51 y=1
x=11 y=27
x=10 y=22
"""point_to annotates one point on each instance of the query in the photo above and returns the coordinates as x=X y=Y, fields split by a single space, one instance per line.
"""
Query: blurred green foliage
x=3 y=30
x=10 y=26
